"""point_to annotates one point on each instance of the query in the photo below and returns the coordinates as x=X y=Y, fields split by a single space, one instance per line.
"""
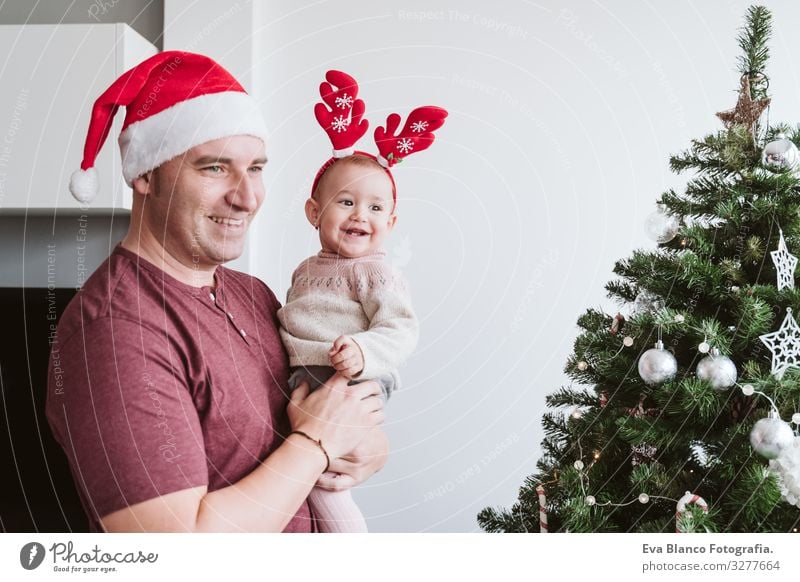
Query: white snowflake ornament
x=340 y=123
x=784 y=345
x=419 y=126
x=405 y=145
x=785 y=263
x=344 y=101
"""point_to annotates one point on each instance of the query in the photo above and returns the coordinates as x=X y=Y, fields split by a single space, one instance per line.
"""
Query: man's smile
x=227 y=221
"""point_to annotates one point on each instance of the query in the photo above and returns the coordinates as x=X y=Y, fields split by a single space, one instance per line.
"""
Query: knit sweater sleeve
x=393 y=329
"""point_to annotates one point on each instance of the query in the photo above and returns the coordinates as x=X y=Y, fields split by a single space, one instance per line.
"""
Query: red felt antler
x=340 y=114
x=417 y=134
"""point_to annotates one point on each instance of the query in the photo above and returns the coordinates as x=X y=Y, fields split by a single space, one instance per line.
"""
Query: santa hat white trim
x=148 y=143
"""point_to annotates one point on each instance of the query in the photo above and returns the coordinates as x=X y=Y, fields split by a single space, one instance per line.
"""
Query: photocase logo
x=31 y=555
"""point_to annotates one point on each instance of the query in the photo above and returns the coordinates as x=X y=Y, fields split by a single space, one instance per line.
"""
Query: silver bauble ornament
x=770 y=436
x=660 y=226
x=781 y=154
x=657 y=365
x=717 y=369
x=647 y=302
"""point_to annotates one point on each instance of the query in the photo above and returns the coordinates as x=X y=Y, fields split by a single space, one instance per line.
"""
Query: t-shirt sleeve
x=393 y=329
x=125 y=416
x=272 y=301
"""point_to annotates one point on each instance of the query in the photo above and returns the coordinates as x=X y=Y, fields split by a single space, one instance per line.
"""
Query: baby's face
x=354 y=210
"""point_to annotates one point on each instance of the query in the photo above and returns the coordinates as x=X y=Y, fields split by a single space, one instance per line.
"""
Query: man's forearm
x=268 y=498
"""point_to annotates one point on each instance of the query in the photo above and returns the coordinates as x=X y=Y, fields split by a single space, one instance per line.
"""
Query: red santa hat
x=174 y=101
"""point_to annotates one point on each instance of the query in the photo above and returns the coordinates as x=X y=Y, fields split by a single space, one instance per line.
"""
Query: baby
x=348 y=310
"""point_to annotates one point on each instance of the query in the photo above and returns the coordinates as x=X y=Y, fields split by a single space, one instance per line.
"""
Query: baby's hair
x=354 y=160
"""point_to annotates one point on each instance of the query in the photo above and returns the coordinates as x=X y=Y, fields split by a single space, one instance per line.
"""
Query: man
x=170 y=402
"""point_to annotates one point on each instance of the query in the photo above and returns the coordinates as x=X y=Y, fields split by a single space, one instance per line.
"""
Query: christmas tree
x=686 y=413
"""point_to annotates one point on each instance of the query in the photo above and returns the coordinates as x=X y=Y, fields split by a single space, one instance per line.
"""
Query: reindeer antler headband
x=340 y=115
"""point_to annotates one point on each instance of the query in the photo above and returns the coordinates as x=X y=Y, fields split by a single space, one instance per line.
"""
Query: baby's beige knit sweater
x=365 y=298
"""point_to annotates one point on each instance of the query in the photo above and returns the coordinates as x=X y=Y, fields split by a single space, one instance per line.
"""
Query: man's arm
x=267 y=499
x=262 y=501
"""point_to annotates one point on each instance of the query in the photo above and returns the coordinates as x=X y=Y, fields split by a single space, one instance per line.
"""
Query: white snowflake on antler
x=405 y=145
x=344 y=101
x=340 y=123
x=419 y=126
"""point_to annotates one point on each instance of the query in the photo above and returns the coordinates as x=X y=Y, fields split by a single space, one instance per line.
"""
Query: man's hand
x=339 y=415
x=359 y=465
x=346 y=357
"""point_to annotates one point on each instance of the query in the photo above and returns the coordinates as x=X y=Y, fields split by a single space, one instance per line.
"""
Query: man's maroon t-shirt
x=155 y=386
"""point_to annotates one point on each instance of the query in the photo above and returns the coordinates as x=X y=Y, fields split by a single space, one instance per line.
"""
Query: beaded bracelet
x=317 y=442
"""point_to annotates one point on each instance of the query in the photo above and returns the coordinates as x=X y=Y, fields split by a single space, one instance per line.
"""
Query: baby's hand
x=346 y=357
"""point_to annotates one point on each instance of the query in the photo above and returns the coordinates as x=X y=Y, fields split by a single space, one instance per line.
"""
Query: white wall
x=561 y=124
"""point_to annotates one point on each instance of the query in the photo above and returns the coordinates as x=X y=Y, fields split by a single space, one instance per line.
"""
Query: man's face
x=200 y=204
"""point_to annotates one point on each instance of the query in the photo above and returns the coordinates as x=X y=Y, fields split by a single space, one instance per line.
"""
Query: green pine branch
x=723 y=156
x=753 y=41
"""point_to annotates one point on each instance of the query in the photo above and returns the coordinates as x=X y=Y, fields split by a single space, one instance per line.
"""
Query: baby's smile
x=356 y=232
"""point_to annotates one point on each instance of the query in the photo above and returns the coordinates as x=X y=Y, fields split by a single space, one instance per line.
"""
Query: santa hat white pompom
x=84 y=185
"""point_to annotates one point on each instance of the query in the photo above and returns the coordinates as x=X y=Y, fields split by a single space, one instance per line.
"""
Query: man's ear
x=141 y=185
x=313 y=212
